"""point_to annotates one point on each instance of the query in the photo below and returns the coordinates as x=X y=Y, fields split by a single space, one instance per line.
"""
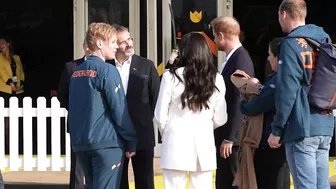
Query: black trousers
x=143 y=170
x=76 y=173
x=271 y=168
x=226 y=170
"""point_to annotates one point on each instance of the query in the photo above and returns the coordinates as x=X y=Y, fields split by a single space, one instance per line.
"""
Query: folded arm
x=260 y=104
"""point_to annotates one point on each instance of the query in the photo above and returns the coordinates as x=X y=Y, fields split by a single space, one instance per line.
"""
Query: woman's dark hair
x=274 y=46
x=10 y=47
x=199 y=73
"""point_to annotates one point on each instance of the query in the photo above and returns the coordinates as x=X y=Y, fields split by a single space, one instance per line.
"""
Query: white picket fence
x=27 y=162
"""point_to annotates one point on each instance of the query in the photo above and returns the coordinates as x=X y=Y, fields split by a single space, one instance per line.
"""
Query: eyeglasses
x=127 y=41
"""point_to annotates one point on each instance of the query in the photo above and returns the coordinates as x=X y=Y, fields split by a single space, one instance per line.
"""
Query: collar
x=128 y=61
x=232 y=51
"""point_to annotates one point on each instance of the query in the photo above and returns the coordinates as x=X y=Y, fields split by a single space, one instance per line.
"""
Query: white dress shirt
x=229 y=55
x=124 y=71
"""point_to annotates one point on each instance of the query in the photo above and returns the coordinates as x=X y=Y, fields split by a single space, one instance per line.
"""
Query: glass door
x=183 y=17
x=122 y=12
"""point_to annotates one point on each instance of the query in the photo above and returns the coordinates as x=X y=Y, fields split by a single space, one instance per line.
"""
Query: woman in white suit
x=191 y=104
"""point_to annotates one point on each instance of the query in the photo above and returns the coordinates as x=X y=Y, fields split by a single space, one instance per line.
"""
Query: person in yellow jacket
x=11 y=72
x=11 y=79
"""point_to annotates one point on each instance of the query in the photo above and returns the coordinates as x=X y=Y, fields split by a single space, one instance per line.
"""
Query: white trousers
x=174 y=179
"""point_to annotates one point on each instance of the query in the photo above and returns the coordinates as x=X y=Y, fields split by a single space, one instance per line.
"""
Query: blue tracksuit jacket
x=98 y=114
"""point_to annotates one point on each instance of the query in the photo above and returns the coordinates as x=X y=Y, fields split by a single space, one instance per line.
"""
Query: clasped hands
x=129 y=154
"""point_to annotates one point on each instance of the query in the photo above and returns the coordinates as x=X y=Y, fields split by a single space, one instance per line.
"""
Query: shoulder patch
x=302 y=42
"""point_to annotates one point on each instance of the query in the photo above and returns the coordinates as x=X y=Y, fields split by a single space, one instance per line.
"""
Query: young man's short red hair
x=98 y=31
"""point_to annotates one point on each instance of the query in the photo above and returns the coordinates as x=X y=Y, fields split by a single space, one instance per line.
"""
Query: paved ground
x=52 y=180
x=59 y=180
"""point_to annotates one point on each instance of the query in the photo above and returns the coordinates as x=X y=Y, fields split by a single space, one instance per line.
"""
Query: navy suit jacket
x=241 y=60
x=63 y=85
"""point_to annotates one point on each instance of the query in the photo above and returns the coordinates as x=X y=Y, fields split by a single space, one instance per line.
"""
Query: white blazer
x=188 y=137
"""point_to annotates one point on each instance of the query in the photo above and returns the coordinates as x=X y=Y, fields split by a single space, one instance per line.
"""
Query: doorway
x=42 y=35
x=259 y=21
x=189 y=16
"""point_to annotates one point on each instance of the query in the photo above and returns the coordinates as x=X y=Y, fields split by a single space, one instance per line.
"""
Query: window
x=109 y=11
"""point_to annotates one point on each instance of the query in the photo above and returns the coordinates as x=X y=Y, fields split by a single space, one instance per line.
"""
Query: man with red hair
x=101 y=130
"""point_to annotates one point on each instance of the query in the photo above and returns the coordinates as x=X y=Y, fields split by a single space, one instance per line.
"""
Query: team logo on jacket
x=302 y=42
x=84 y=73
x=195 y=17
x=116 y=165
x=117 y=88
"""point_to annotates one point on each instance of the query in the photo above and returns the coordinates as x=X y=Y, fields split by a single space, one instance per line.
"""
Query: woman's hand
x=14 y=89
